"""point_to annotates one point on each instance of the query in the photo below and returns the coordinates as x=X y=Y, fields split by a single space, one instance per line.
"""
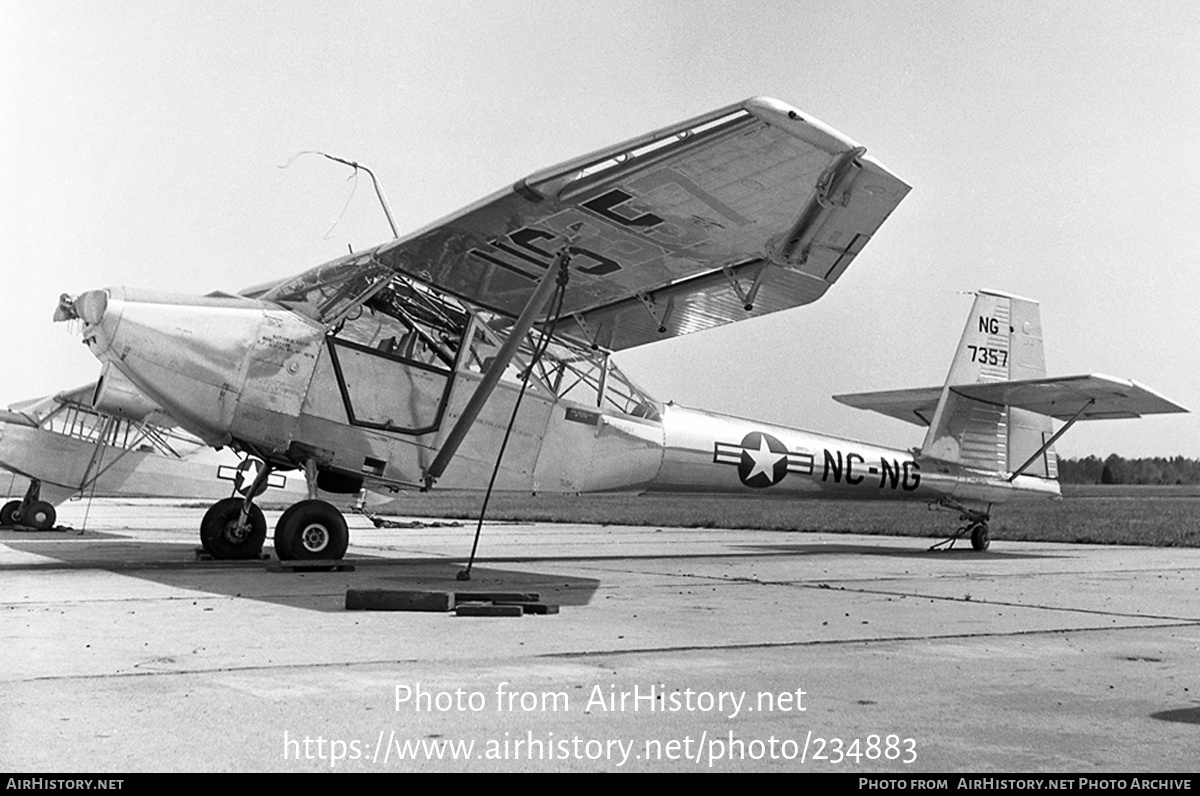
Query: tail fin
x=1001 y=342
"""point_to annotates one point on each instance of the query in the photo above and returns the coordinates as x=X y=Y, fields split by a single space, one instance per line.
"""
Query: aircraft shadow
x=10 y=535
x=959 y=552
x=1181 y=715
x=175 y=565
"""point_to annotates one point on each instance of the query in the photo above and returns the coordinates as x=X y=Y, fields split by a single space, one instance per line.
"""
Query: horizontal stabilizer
x=912 y=406
x=1099 y=397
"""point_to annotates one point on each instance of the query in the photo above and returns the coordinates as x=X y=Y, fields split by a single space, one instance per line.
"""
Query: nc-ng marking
x=892 y=473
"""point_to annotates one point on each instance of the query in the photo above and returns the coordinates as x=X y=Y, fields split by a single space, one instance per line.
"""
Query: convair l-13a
x=476 y=352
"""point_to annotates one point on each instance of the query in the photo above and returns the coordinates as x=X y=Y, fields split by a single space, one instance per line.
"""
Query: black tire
x=980 y=539
x=39 y=515
x=224 y=539
x=311 y=530
x=10 y=512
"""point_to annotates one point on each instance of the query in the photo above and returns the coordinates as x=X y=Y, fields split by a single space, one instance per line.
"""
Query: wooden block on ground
x=534 y=608
x=203 y=555
x=496 y=596
x=488 y=610
x=310 y=566
x=393 y=600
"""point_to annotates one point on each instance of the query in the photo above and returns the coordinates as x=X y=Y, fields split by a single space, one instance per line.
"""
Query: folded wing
x=744 y=211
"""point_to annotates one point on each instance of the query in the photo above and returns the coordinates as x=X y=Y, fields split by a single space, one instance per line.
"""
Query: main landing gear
x=976 y=524
x=311 y=530
x=235 y=528
x=30 y=511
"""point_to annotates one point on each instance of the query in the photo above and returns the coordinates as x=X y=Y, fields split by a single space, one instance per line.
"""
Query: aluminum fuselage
x=266 y=379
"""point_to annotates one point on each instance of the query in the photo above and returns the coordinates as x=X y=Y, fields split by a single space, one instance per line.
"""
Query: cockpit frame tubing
x=490 y=379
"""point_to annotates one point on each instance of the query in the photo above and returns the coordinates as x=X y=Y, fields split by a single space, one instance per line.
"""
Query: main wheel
x=10 y=512
x=223 y=535
x=980 y=540
x=311 y=530
x=40 y=515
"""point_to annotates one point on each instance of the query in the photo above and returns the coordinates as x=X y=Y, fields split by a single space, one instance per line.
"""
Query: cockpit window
x=375 y=316
x=404 y=319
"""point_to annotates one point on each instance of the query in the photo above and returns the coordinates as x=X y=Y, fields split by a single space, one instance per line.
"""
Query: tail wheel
x=980 y=538
x=39 y=515
x=10 y=513
x=224 y=536
x=311 y=530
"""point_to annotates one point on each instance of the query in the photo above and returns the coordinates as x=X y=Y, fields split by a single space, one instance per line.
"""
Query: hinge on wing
x=658 y=314
x=583 y=327
x=791 y=249
x=745 y=296
x=833 y=178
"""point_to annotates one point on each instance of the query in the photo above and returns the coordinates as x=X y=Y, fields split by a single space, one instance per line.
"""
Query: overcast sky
x=1053 y=149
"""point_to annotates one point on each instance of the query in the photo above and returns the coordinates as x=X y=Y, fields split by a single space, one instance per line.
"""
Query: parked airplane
x=479 y=347
x=91 y=442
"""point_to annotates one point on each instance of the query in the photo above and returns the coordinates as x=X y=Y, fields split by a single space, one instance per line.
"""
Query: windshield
x=329 y=291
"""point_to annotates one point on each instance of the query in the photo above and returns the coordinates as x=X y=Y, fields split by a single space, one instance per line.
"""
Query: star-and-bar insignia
x=762 y=460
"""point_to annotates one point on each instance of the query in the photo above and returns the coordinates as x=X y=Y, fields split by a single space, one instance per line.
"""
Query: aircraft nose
x=88 y=306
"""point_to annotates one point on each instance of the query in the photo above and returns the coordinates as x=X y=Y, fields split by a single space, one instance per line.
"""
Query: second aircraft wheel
x=10 y=512
x=40 y=515
x=980 y=539
x=224 y=537
x=311 y=530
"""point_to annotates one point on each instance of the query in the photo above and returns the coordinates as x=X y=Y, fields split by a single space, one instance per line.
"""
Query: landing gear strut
x=976 y=524
x=234 y=528
x=30 y=511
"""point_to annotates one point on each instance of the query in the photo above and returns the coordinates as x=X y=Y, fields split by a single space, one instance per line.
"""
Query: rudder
x=1002 y=341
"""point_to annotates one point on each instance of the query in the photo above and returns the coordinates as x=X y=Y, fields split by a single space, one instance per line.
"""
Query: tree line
x=1118 y=470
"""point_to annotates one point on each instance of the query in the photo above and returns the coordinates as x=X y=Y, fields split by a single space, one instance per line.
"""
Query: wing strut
x=1054 y=438
x=746 y=297
x=490 y=379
